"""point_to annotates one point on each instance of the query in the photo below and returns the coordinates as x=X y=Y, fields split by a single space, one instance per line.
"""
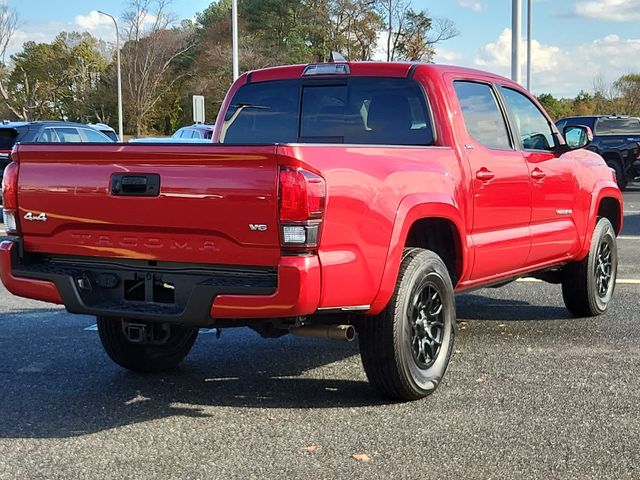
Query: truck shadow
x=631 y=224
x=477 y=307
x=79 y=391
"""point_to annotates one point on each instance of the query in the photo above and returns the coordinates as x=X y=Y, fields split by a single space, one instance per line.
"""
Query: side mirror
x=577 y=136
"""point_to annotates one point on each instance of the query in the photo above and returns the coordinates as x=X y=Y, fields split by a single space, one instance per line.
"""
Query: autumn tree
x=353 y=27
x=627 y=92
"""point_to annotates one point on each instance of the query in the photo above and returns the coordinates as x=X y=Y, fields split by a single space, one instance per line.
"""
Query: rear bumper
x=186 y=294
x=24 y=287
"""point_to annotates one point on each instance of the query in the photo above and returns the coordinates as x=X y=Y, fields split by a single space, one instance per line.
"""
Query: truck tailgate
x=215 y=204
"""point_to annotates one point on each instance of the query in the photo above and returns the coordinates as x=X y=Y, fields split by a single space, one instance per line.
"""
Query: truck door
x=500 y=184
x=554 y=188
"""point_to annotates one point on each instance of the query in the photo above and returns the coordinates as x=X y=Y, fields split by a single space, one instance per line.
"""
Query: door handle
x=484 y=175
x=538 y=174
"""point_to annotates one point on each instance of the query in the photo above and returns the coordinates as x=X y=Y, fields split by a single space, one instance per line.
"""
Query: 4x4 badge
x=32 y=217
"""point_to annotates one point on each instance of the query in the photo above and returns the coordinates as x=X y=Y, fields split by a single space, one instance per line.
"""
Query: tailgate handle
x=137 y=185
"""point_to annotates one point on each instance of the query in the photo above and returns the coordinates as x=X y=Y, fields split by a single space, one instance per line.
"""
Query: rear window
x=8 y=138
x=359 y=110
x=617 y=126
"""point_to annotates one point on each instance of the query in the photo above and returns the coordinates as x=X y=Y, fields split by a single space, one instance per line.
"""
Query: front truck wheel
x=405 y=350
x=140 y=347
x=588 y=285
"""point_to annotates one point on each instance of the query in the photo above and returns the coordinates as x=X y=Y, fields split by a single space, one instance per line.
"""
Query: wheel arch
x=607 y=202
x=431 y=222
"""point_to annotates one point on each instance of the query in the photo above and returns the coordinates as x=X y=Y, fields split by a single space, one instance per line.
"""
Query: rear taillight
x=10 y=197
x=302 y=196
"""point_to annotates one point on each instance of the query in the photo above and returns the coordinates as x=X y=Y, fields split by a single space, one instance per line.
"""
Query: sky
x=576 y=43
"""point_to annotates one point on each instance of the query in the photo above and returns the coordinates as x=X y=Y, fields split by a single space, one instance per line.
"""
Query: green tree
x=57 y=79
x=555 y=107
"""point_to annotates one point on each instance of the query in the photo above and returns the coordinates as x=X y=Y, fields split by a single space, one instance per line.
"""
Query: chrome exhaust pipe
x=332 y=332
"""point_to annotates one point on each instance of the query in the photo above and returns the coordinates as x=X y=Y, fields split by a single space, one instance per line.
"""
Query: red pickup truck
x=335 y=198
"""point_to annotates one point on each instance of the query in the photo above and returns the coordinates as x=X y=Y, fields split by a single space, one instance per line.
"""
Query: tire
x=588 y=285
x=621 y=178
x=402 y=358
x=145 y=357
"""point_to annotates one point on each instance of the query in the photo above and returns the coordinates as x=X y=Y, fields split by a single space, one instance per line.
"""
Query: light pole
x=120 y=133
x=516 y=19
x=529 y=40
x=234 y=28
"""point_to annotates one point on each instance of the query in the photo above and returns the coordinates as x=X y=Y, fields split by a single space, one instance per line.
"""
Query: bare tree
x=149 y=55
x=412 y=35
x=8 y=26
x=394 y=13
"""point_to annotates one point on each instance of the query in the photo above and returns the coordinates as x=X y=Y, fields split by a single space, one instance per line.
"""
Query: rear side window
x=358 y=110
x=94 y=136
x=8 y=138
x=48 y=136
x=68 y=135
x=618 y=126
x=482 y=117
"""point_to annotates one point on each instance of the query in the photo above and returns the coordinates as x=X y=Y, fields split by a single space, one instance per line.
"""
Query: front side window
x=534 y=128
x=482 y=117
x=358 y=110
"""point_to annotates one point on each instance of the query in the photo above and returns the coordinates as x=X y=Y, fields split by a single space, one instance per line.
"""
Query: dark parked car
x=616 y=139
x=44 y=131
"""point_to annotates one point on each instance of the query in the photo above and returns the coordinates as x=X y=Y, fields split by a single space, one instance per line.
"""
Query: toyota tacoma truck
x=616 y=138
x=335 y=199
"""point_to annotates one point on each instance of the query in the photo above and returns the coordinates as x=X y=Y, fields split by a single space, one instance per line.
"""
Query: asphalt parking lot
x=530 y=393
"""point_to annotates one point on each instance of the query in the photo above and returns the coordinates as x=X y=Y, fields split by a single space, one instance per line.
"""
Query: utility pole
x=516 y=35
x=120 y=130
x=234 y=29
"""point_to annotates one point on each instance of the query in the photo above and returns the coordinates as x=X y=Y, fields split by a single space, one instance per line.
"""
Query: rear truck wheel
x=588 y=285
x=145 y=347
x=405 y=350
x=621 y=178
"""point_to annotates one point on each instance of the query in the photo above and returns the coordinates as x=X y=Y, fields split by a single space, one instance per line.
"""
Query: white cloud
x=498 y=54
x=446 y=56
x=474 y=5
x=565 y=72
x=92 y=21
x=609 y=10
